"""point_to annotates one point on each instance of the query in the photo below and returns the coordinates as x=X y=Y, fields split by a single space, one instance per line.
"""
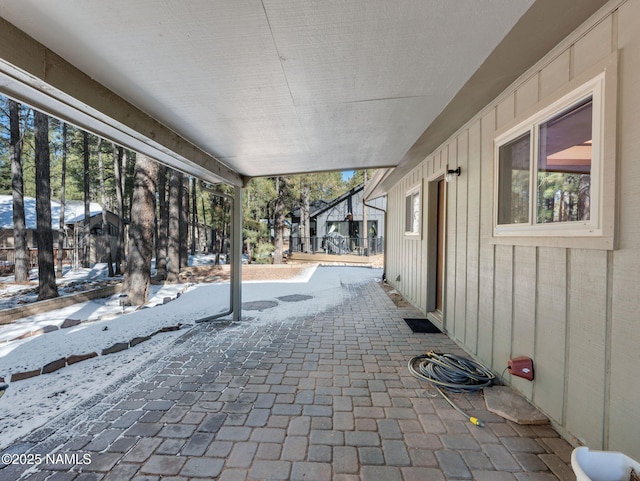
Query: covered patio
x=317 y=395
x=227 y=91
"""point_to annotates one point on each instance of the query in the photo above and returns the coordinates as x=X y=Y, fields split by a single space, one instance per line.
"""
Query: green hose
x=453 y=373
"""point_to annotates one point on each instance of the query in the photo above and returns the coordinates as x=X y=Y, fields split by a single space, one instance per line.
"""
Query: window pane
x=416 y=214
x=412 y=213
x=513 y=187
x=408 y=214
x=338 y=227
x=564 y=166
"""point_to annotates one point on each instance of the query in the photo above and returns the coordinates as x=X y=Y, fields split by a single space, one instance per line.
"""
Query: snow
x=28 y=404
x=12 y=295
x=73 y=212
x=90 y=336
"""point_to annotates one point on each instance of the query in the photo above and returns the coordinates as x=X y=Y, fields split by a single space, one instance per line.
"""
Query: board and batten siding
x=575 y=311
x=405 y=261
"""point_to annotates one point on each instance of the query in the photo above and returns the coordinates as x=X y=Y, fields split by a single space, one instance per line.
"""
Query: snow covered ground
x=29 y=403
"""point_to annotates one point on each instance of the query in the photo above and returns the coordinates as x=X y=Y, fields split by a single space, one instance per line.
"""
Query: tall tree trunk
x=184 y=222
x=21 y=265
x=125 y=158
x=194 y=216
x=118 y=154
x=138 y=271
x=278 y=221
x=584 y=200
x=305 y=217
x=224 y=241
x=173 y=253
x=63 y=176
x=204 y=225
x=163 y=224
x=86 y=238
x=105 y=222
x=215 y=245
x=46 y=274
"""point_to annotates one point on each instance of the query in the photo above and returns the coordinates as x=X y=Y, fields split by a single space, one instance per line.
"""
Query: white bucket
x=602 y=465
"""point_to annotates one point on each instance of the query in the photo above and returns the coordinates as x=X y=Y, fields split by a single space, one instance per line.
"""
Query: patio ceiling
x=244 y=88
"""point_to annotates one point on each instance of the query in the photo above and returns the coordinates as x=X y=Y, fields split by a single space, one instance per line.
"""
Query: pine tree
x=46 y=275
x=194 y=217
x=278 y=219
x=220 y=220
x=63 y=201
x=105 y=222
x=184 y=221
x=118 y=156
x=86 y=238
x=173 y=251
x=163 y=224
x=138 y=271
x=21 y=261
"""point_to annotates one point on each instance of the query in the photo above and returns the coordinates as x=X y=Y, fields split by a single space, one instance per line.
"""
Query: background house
x=564 y=293
x=337 y=226
x=74 y=222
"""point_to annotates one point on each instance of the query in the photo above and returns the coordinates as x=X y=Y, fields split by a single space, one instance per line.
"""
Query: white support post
x=236 y=250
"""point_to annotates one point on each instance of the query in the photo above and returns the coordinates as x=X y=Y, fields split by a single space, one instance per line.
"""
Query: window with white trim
x=412 y=212
x=549 y=169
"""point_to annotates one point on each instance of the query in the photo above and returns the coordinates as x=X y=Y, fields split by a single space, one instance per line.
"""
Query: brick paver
x=317 y=396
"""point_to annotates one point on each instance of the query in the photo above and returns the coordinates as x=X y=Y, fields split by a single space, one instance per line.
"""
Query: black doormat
x=422 y=325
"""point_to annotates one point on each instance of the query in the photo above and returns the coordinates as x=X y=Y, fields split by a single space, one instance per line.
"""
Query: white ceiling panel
x=372 y=129
x=379 y=50
x=279 y=86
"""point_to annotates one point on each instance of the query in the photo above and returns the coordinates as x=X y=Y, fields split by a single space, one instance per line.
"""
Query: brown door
x=440 y=218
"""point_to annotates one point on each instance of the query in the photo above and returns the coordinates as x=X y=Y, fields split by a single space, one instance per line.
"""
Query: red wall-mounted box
x=521 y=366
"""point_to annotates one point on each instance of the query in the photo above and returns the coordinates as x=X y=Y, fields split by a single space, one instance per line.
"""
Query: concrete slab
x=505 y=402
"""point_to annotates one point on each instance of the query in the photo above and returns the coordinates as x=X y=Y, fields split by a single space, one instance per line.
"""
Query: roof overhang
x=31 y=73
x=537 y=32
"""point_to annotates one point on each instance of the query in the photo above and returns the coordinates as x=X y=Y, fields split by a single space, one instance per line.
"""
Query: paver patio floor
x=321 y=396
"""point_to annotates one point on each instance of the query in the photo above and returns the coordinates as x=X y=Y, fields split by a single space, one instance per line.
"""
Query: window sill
x=567 y=242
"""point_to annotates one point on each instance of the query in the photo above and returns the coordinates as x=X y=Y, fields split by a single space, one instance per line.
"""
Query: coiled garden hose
x=453 y=373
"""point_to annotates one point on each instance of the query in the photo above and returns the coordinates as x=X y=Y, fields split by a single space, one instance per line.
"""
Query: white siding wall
x=576 y=312
x=404 y=256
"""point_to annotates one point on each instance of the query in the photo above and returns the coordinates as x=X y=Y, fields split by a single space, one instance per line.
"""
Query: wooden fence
x=7 y=259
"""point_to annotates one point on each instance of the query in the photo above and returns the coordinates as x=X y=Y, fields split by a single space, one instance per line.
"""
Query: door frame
x=431 y=245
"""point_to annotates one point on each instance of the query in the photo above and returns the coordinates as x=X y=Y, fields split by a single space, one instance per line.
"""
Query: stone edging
x=7 y=316
x=73 y=359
